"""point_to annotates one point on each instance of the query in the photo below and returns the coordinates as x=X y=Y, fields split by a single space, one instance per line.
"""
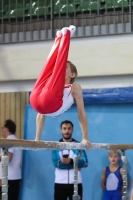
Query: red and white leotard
x=67 y=101
x=49 y=96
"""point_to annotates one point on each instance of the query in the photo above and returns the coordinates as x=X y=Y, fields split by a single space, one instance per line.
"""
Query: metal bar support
x=76 y=196
x=52 y=19
x=124 y=161
x=5 y=174
x=43 y=145
x=130 y=15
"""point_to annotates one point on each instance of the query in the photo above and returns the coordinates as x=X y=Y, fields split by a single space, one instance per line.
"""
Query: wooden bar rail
x=40 y=145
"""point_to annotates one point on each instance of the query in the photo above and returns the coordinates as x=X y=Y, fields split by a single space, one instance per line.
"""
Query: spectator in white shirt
x=14 y=166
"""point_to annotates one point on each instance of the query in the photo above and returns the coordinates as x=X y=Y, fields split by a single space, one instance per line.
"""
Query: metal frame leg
x=76 y=196
x=124 y=160
x=5 y=161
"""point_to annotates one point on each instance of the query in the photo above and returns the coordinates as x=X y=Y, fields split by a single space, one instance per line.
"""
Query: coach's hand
x=66 y=160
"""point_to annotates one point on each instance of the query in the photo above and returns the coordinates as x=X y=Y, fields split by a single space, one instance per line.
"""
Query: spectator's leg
x=0 y=193
x=70 y=192
x=60 y=194
x=13 y=189
x=80 y=191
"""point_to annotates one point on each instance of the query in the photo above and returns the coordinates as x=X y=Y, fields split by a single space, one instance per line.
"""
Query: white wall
x=85 y=82
x=97 y=56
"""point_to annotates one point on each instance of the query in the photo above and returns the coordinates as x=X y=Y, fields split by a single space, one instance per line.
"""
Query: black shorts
x=62 y=193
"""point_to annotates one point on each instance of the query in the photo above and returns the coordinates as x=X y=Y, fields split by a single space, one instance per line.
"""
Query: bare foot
x=86 y=142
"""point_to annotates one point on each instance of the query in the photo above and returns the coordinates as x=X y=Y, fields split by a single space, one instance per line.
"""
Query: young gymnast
x=54 y=91
x=112 y=180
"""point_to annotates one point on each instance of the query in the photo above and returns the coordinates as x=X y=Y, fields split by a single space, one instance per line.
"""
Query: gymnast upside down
x=54 y=91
